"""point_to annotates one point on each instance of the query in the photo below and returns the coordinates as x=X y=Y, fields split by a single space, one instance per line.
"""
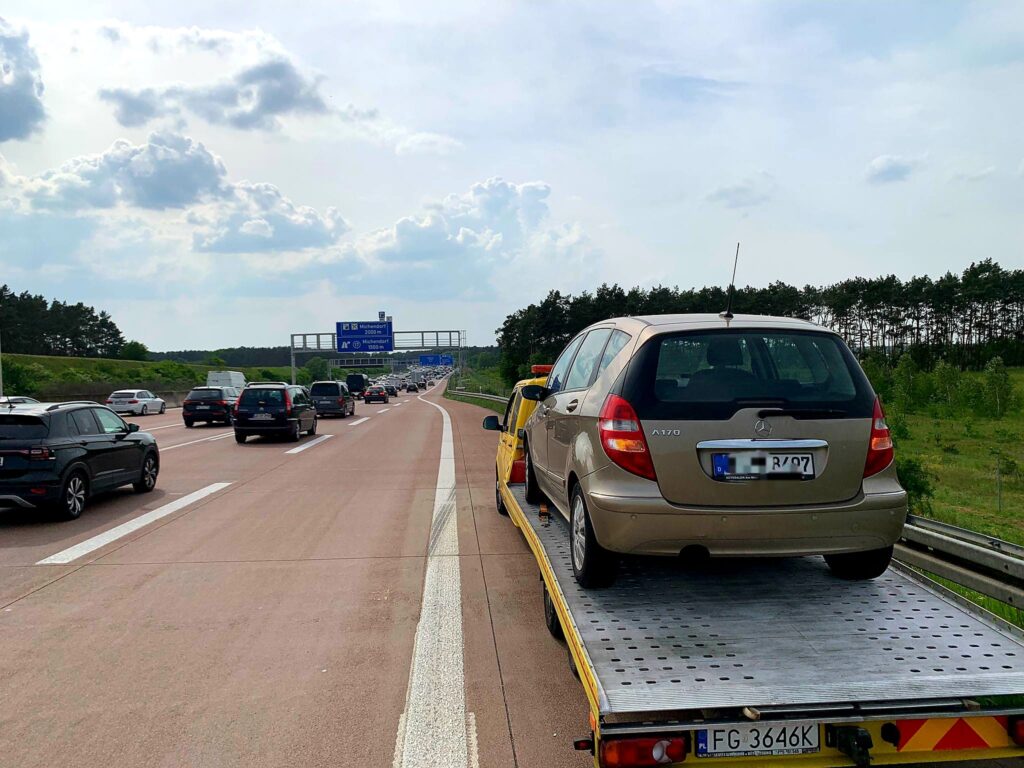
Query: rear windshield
x=713 y=374
x=324 y=388
x=122 y=395
x=205 y=394
x=22 y=427
x=255 y=396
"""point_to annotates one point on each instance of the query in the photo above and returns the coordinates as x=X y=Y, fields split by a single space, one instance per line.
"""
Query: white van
x=234 y=379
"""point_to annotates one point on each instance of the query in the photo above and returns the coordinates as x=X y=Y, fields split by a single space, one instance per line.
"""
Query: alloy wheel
x=149 y=472
x=579 y=533
x=74 y=496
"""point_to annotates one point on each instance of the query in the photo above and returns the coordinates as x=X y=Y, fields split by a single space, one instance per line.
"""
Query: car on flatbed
x=274 y=408
x=209 y=405
x=332 y=398
x=700 y=435
x=60 y=455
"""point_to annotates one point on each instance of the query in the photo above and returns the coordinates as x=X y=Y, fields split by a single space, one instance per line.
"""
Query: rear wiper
x=802 y=413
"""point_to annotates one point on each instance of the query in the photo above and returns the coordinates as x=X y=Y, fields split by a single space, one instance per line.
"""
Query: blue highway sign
x=369 y=336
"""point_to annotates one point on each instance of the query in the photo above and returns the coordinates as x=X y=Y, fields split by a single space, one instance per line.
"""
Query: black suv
x=332 y=398
x=209 y=404
x=61 y=454
x=274 y=408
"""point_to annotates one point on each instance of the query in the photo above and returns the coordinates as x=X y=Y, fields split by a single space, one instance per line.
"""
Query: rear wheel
x=551 y=616
x=147 y=481
x=533 y=494
x=240 y=437
x=499 y=502
x=592 y=564
x=144 y=411
x=189 y=423
x=296 y=434
x=73 y=495
x=860 y=566
x=312 y=430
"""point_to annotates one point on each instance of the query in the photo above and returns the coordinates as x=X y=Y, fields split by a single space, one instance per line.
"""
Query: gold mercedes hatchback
x=701 y=435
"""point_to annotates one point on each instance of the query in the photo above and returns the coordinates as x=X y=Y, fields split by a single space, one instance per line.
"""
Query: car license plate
x=262 y=417
x=202 y=407
x=751 y=465
x=752 y=740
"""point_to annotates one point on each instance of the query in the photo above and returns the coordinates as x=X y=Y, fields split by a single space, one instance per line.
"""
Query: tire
x=860 y=566
x=144 y=411
x=150 y=470
x=163 y=408
x=533 y=492
x=240 y=437
x=312 y=430
x=592 y=564
x=189 y=423
x=498 y=501
x=296 y=434
x=73 y=495
x=551 y=619
x=229 y=421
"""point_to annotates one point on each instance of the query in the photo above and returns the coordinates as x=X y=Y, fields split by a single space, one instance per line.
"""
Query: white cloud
x=426 y=144
x=979 y=175
x=749 y=192
x=21 y=85
x=886 y=169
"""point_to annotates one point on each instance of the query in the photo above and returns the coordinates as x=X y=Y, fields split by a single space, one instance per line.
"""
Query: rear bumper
x=257 y=427
x=20 y=495
x=652 y=527
x=211 y=415
x=332 y=408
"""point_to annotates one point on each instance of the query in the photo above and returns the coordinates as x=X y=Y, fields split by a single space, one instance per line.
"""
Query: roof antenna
x=732 y=287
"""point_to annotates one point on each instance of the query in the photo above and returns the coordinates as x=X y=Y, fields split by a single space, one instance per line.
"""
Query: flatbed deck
x=766 y=638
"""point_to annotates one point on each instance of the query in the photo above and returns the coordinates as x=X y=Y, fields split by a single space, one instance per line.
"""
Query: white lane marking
x=193 y=442
x=165 y=426
x=383 y=409
x=101 y=540
x=396 y=405
x=358 y=421
x=434 y=726
x=310 y=444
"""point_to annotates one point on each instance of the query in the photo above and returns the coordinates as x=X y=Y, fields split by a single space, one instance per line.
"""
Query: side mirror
x=534 y=392
x=133 y=427
x=491 y=423
x=520 y=433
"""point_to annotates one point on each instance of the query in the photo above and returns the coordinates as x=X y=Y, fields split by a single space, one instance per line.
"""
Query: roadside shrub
x=898 y=427
x=918 y=482
x=997 y=389
x=73 y=375
x=23 y=378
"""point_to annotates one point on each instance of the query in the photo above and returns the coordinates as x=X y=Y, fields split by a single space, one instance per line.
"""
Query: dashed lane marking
x=193 y=442
x=310 y=444
x=83 y=548
x=357 y=422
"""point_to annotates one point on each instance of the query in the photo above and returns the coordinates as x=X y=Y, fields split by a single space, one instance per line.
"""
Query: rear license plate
x=262 y=417
x=751 y=465
x=202 y=407
x=753 y=740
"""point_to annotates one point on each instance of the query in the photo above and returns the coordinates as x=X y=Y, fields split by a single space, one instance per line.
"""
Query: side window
x=586 y=359
x=84 y=422
x=110 y=423
x=514 y=418
x=614 y=346
x=556 y=379
x=505 y=423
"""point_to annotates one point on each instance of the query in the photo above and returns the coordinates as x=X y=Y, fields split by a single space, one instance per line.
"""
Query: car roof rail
x=55 y=406
x=260 y=383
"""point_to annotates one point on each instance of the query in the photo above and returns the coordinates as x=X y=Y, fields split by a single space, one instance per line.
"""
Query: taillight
x=643 y=751
x=1016 y=730
x=110 y=402
x=220 y=402
x=623 y=438
x=287 y=403
x=341 y=401
x=41 y=454
x=880 y=448
x=133 y=402
x=187 y=402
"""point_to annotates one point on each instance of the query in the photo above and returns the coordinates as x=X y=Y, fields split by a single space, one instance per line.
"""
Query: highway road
x=292 y=617
x=350 y=600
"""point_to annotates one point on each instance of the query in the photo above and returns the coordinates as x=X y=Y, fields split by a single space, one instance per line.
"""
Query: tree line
x=32 y=325
x=964 y=319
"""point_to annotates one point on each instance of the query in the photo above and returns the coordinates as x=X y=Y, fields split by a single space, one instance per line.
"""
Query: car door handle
x=572 y=406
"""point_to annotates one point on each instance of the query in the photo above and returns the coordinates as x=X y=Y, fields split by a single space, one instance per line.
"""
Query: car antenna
x=732 y=287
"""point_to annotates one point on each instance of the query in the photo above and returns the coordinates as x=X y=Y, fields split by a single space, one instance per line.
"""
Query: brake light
x=220 y=402
x=1016 y=730
x=623 y=438
x=649 y=750
x=341 y=401
x=133 y=402
x=880 y=447
x=110 y=402
x=287 y=403
x=186 y=402
x=41 y=454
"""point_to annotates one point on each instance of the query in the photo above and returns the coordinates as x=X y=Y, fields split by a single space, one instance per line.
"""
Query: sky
x=225 y=174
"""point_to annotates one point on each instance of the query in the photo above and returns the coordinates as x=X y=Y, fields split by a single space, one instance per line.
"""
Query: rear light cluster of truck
x=623 y=439
x=637 y=752
x=880 y=447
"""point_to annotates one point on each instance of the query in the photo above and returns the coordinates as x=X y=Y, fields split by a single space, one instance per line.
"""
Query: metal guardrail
x=988 y=565
x=481 y=395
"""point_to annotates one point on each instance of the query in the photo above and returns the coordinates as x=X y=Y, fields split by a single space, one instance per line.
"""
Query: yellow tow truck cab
x=509 y=466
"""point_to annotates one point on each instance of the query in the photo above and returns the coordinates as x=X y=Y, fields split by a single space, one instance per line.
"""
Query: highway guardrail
x=985 y=564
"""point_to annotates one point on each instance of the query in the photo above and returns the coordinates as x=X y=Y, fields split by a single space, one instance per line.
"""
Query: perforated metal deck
x=774 y=632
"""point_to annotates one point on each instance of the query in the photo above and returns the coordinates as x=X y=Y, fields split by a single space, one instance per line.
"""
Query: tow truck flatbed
x=668 y=650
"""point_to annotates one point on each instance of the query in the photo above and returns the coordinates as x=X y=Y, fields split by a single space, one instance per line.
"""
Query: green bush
x=23 y=379
x=918 y=482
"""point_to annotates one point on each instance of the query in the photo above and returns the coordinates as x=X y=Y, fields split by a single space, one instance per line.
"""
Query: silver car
x=698 y=435
x=138 y=402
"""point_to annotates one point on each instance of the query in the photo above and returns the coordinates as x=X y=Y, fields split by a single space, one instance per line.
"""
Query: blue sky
x=218 y=174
